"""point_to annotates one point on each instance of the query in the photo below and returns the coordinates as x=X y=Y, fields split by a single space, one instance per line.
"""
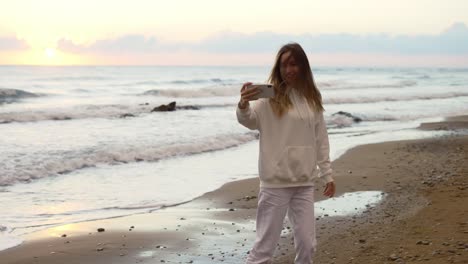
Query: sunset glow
x=54 y=32
x=50 y=53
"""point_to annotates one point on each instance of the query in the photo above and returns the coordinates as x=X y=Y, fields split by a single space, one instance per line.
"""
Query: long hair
x=281 y=102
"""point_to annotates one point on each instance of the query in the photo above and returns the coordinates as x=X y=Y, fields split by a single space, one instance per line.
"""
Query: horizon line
x=262 y=65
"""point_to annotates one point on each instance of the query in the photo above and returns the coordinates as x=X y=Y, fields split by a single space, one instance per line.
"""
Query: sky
x=242 y=32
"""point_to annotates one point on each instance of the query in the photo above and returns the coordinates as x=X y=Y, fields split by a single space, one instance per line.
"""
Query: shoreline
x=219 y=225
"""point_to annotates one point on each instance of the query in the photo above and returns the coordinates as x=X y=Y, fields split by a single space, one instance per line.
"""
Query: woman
x=294 y=152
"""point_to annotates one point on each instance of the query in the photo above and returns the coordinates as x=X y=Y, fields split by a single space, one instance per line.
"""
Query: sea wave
x=121 y=111
x=340 y=99
x=138 y=83
x=342 y=85
x=88 y=111
x=196 y=93
x=7 y=240
x=208 y=81
x=328 y=97
x=198 y=81
x=8 y=95
x=26 y=171
x=337 y=120
x=360 y=99
x=74 y=78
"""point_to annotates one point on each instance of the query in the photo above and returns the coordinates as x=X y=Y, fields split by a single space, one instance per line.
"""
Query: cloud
x=12 y=43
x=452 y=41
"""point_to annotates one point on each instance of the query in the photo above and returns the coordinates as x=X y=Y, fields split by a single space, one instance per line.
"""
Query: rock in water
x=355 y=118
x=165 y=108
x=127 y=115
x=189 y=107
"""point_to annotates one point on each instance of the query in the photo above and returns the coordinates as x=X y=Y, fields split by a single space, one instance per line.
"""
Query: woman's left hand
x=329 y=189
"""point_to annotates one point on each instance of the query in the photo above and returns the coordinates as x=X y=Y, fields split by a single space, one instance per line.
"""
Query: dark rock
x=61 y=118
x=64 y=235
x=248 y=198
x=355 y=118
x=423 y=242
x=101 y=229
x=165 y=108
x=127 y=115
x=189 y=107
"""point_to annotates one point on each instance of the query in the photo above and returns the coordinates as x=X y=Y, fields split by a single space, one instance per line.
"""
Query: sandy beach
x=422 y=216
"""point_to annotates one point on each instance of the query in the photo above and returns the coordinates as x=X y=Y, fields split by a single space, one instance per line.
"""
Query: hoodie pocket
x=296 y=164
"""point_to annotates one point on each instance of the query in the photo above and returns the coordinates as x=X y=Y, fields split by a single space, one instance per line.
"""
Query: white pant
x=273 y=203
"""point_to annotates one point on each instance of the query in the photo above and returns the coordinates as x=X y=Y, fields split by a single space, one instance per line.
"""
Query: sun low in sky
x=209 y=32
x=49 y=53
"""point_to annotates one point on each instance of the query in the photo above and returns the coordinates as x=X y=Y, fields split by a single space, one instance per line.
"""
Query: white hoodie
x=291 y=147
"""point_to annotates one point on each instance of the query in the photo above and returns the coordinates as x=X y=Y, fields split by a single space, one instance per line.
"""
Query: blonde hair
x=306 y=84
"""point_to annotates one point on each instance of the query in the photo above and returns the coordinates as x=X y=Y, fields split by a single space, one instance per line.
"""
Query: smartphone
x=266 y=90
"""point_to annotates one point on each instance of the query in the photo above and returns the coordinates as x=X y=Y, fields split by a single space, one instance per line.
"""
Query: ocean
x=80 y=143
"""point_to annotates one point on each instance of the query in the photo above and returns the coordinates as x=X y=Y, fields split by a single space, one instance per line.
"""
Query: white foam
x=359 y=99
x=328 y=97
x=340 y=121
x=44 y=168
x=232 y=90
x=342 y=85
x=109 y=111
x=7 y=240
x=205 y=98
x=78 y=112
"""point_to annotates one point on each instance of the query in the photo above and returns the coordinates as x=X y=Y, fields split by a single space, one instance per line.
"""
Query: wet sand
x=422 y=217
